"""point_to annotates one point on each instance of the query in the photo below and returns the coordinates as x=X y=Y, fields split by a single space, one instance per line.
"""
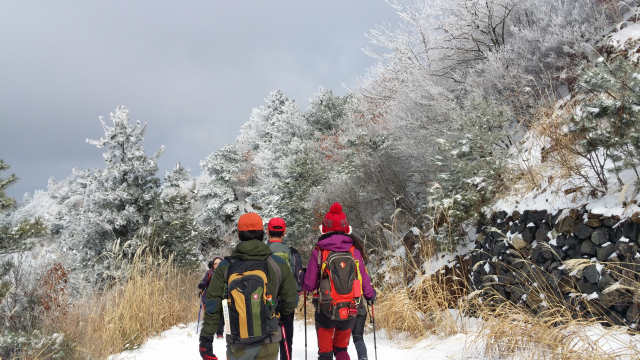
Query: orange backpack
x=340 y=291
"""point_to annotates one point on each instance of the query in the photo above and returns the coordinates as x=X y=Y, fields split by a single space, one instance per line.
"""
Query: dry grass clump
x=155 y=296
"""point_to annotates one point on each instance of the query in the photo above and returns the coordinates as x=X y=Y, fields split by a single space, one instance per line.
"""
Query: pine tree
x=6 y=202
x=14 y=237
x=174 y=227
x=113 y=203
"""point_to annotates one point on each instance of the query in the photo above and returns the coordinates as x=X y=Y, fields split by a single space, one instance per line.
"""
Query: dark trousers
x=287 y=323
x=358 y=333
x=220 y=330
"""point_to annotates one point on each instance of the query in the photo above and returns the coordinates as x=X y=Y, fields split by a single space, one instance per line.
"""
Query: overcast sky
x=192 y=70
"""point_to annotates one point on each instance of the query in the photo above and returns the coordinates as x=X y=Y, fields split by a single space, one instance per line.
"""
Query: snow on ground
x=181 y=342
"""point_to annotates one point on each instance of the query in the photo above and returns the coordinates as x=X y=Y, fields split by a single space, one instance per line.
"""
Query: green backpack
x=284 y=252
x=252 y=315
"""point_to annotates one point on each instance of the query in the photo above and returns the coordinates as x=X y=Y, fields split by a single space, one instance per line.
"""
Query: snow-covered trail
x=181 y=342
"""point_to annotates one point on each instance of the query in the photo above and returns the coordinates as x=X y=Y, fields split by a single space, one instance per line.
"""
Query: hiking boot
x=219 y=336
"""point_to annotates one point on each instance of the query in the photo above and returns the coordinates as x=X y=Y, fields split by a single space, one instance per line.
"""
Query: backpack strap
x=278 y=272
x=231 y=260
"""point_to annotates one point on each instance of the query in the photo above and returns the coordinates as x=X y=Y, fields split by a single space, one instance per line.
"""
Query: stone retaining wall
x=524 y=258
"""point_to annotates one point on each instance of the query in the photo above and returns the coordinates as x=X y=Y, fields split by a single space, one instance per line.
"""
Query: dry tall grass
x=155 y=296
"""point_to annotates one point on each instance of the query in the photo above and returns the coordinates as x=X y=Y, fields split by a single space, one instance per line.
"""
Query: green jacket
x=248 y=250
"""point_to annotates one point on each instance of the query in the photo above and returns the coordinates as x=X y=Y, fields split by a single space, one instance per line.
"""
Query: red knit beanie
x=335 y=220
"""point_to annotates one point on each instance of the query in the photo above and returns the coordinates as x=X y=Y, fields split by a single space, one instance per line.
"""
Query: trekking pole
x=286 y=345
x=198 y=326
x=373 y=319
x=305 y=325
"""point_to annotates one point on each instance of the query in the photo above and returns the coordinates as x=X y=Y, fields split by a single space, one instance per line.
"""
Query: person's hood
x=251 y=250
x=336 y=241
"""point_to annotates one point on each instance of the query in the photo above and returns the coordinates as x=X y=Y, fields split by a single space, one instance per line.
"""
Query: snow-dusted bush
x=100 y=206
x=606 y=130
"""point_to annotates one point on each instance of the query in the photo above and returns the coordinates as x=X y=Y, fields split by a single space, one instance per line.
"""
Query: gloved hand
x=206 y=348
x=372 y=300
x=301 y=275
x=286 y=318
x=201 y=286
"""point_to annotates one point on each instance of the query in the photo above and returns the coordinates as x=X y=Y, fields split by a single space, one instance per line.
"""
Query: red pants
x=333 y=337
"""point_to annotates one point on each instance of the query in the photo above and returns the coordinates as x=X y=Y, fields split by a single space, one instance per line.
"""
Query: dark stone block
x=561 y=240
x=484 y=256
x=541 y=234
x=593 y=223
x=586 y=287
x=615 y=233
x=502 y=215
x=554 y=218
x=558 y=253
x=600 y=236
x=591 y=274
x=588 y=248
x=573 y=242
x=519 y=290
x=604 y=253
x=537 y=257
x=572 y=253
x=566 y=225
x=524 y=217
x=541 y=215
x=518 y=227
x=547 y=253
x=582 y=231
x=609 y=222
x=626 y=250
x=516 y=215
x=605 y=281
x=614 y=318
x=499 y=248
x=621 y=308
x=633 y=314
x=528 y=234
x=630 y=230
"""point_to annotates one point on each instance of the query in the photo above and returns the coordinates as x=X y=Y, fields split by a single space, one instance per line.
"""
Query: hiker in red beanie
x=338 y=275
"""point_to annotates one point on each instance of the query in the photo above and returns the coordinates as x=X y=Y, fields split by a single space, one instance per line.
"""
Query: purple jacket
x=205 y=283
x=335 y=242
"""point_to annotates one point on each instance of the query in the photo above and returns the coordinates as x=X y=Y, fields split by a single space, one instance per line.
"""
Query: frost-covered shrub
x=474 y=167
x=606 y=129
x=35 y=344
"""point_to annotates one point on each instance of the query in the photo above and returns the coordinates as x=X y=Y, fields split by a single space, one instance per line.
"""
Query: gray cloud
x=192 y=70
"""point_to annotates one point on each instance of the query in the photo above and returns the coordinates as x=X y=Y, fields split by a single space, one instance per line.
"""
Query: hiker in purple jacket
x=334 y=335
x=204 y=284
